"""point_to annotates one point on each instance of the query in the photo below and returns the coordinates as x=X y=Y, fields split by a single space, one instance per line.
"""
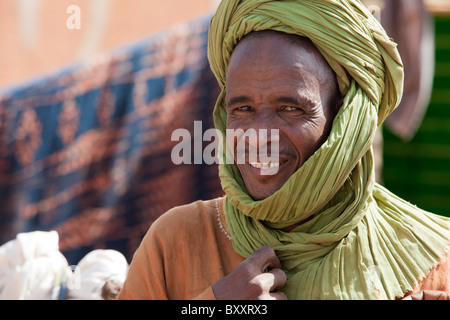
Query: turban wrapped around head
x=358 y=240
x=345 y=32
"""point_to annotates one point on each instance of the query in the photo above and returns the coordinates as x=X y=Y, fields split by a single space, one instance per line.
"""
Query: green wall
x=419 y=170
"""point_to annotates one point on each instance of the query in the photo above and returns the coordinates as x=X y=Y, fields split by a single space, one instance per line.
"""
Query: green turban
x=359 y=240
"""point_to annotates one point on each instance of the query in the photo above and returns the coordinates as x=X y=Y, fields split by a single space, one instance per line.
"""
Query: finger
x=279 y=279
x=277 y=296
x=435 y=295
x=429 y=295
x=263 y=258
x=271 y=281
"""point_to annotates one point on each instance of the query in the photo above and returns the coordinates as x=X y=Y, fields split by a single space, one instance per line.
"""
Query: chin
x=260 y=188
x=262 y=194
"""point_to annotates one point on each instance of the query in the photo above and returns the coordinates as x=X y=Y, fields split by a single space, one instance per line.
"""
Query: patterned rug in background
x=86 y=151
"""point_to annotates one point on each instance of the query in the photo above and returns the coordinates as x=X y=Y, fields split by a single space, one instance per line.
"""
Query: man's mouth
x=265 y=168
x=265 y=165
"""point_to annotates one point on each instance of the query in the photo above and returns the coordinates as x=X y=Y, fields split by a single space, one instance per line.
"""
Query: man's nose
x=261 y=137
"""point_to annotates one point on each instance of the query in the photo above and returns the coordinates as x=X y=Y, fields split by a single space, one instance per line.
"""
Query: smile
x=264 y=165
x=265 y=168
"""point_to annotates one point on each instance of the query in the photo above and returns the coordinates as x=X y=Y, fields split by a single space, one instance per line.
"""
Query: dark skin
x=275 y=81
x=280 y=82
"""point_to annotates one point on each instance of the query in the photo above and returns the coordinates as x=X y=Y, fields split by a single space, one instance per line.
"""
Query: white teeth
x=264 y=165
x=256 y=165
x=274 y=165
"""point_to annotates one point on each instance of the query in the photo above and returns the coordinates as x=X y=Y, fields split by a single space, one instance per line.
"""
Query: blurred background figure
x=411 y=26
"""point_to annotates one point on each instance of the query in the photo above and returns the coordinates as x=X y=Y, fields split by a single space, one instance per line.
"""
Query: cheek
x=308 y=137
x=241 y=122
x=232 y=123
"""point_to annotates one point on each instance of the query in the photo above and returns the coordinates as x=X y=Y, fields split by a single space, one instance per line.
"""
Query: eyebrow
x=237 y=100
x=293 y=100
x=303 y=101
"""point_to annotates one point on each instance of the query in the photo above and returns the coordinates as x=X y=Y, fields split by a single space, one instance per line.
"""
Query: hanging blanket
x=86 y=151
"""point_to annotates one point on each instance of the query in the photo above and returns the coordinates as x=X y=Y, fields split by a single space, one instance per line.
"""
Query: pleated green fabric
x=360 y=241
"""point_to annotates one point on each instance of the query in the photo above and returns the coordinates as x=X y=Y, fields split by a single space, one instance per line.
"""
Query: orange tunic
x=188 y=249
x=183 y=254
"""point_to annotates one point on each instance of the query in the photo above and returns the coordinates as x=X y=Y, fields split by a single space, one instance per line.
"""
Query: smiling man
x=323 y=75
x=280 y=81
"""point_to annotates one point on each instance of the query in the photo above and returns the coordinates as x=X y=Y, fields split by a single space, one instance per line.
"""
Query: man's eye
x=244 y=108
x=290 y=108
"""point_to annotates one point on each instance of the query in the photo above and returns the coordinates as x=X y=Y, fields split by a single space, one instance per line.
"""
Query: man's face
x=274 y=83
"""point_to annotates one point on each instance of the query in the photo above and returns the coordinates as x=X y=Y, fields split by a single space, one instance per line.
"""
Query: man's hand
x=429 y=295
x=248 y=281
